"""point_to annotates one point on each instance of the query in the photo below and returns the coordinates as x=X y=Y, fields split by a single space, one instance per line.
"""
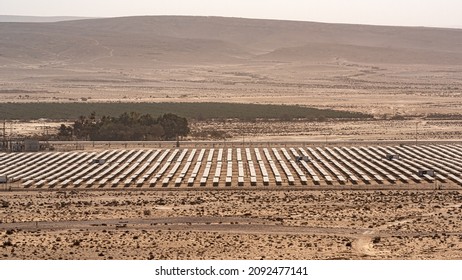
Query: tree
x=127 y=127
x=65 y=132
x=174 y=126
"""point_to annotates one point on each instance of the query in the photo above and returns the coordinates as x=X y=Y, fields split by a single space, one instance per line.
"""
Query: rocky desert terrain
x=231 y=225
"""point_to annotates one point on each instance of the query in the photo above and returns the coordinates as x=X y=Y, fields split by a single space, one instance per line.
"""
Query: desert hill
x=178 y=39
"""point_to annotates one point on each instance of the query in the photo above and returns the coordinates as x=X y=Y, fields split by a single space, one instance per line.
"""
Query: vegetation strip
x=198 y=111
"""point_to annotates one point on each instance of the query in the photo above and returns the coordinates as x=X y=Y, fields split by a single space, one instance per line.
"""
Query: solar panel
x=229 y=157
x=257 y=154
x=238 y=154
x=220 y=155
x=210 y=156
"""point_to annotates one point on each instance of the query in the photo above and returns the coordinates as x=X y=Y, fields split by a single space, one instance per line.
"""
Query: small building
x=392 y=157
x=304 y=158
x=99 y=161
x=3 y=179
x=429 y=172
x=31 y=145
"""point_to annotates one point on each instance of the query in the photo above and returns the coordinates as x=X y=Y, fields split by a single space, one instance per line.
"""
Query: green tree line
x=126 y=127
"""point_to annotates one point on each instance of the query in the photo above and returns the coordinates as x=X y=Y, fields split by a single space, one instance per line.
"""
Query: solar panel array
x=235 y=167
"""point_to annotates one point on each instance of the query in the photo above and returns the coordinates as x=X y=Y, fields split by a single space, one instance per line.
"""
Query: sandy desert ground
x=331 y=131
x=231 y=225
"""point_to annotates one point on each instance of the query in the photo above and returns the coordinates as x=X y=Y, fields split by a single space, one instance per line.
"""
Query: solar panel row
x=347 y=165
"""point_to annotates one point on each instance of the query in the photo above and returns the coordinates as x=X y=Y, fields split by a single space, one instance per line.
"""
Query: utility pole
x=5 y=142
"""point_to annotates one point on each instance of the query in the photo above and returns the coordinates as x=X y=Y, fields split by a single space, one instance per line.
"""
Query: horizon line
x=217 y=16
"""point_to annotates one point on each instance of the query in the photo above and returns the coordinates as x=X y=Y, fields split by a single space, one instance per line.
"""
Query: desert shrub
x=4 y=204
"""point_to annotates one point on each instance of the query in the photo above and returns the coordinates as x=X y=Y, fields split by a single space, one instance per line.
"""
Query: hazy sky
x=444 y=13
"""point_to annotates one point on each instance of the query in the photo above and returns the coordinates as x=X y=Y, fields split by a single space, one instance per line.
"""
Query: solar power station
x=237 y=167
